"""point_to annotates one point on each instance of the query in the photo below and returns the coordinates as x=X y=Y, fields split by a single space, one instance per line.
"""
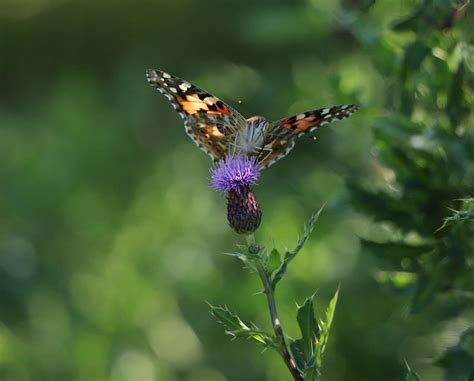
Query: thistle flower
x=235 y=175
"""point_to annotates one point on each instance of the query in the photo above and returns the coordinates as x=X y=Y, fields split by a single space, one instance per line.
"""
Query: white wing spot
x=166 y=75
x=300 y=134
x=327 y=116
x=184 y=86
x=152 y=76
x=300 y=116
x=323 y=123
x=210 y=100
x=312 y=129
x=325 y=111
x=173 y=90
x=344 y=107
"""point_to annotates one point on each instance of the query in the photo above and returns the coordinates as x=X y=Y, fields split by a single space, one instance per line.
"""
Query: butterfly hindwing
x=209 y=122
x=282 y=134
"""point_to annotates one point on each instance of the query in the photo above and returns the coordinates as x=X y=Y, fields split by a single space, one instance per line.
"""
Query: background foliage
x=110 y=237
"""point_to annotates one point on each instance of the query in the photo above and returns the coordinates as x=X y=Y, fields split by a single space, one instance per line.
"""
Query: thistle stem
x=277 y=328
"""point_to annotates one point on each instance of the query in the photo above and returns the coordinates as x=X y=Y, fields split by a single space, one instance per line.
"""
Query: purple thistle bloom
x=235 y=173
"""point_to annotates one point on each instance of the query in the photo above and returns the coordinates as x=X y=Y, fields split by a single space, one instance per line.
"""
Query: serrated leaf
x=291 y=254
x=325 y=328
x=308 y=327
x=243 y=248
x=311 y=372
x=274 y=261
x=296 y=348
x=411 y=374
x=234 y=326
x=247 y=258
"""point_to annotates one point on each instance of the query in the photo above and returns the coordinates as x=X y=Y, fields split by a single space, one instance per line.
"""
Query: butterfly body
x=250 y=139
x=219 y=130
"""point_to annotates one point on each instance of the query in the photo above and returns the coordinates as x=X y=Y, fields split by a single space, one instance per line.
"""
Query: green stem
x=277 y=328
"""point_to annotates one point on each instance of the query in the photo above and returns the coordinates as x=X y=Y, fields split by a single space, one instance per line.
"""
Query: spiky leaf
x=296 y=348
x=308 y=326
x=325 y=328
x=411 y=374
x=234 y=326
x=291 y=254
x=274 y=261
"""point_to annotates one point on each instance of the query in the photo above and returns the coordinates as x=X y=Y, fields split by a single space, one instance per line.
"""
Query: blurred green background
x=111 y=240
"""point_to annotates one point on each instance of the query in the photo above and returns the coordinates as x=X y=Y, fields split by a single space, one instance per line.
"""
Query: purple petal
x=235 y=173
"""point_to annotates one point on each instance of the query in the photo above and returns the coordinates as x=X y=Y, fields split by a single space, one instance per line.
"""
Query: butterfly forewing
x=210 y=123
x=282 y=134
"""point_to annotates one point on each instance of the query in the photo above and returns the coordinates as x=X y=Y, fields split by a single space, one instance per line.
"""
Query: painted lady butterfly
x=220 y=130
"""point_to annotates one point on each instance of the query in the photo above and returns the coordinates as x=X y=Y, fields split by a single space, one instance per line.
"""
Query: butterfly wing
x=282 y=134
x=209 y=122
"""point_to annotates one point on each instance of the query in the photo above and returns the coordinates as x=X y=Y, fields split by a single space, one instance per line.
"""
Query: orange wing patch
x=300 y=123
x=192 y=104
x=210 y=105
x=305 y=123
x=210 y=131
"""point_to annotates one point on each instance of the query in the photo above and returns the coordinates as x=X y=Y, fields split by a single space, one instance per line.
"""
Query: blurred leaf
x=458 y=360
x=399 y=280
x=325 y=327
x=456 y=107
x=395 y=251
x=414 y=55
x=411 y=374
x=234 y=326
x=436 y=279
x=290 y=255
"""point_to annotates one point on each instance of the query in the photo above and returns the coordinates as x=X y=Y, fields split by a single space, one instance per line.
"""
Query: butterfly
x=219 y=130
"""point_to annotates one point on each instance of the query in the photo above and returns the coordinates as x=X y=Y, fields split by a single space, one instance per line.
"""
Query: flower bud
x=243 y=211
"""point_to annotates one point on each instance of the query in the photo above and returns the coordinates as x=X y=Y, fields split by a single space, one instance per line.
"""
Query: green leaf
x=415 y=53
x=411 y=374
x=234 y=326
x=311 y=372
x=325 y=328
x=291 y=254
x=249 y=259
x=458 y=361
x=456 y=107
x=243 y=248
x=395 y=251
x=274 y=261
x=438 y=278
x=308 y=326
x=296 y=348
